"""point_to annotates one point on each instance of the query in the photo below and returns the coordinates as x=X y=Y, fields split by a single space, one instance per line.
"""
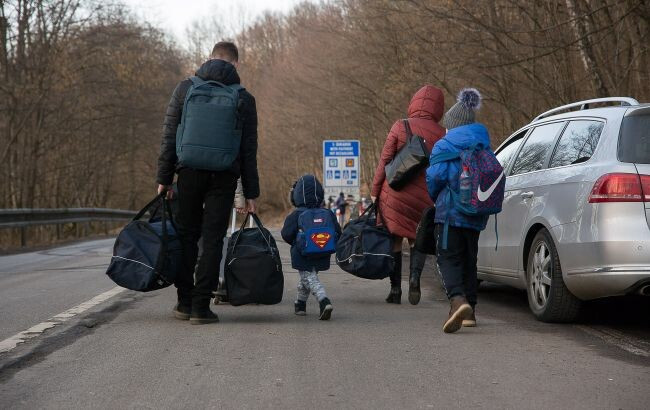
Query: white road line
x=618 y=339
x=34 y=331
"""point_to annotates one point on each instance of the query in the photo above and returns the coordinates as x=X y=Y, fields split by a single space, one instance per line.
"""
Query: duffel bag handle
x=374 y=207
x=151 y=203
x=259 y=225
x=166 y=212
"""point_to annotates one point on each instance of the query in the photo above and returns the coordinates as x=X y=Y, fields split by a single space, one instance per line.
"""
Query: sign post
x=341 y=167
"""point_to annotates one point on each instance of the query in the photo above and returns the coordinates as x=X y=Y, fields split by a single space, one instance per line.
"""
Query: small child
x=312 y=232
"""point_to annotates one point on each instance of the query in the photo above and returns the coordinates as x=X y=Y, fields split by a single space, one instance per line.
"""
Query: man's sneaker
x=203 y=317
x=182 y=312
x=325 y=309
x=471 y=321
x=459 y=311
x=300 y=307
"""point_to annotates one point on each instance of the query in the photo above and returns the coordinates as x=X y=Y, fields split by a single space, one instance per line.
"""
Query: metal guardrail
x=26 y=217
x=18 y=218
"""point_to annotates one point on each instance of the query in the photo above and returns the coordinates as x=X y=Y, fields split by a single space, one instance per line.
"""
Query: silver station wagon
x=575 y=224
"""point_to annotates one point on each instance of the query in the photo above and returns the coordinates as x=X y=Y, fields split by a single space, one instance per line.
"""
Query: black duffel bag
x=365 y=249
x=147 y=255
x=409 y=160
x=253 y=269
x=425 y=237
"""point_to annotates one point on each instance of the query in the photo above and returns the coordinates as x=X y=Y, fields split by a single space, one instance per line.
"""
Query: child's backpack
x=209 y=134
x=316 y=232
x=482 y=175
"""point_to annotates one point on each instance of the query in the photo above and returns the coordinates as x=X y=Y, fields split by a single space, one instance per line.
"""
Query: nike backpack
x=488 y=184
x=487 y=180
x=209 y=135
x=316 y=232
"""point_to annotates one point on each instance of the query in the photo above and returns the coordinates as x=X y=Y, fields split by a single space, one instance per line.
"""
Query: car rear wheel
x=548 y=297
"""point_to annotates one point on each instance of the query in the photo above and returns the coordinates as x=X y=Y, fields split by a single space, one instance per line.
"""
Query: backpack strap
x=237 y=87
x=443 y=157
x=496 y=233
x=302 y=210
x=197 y=82
x=407 y=128
x=240 y=104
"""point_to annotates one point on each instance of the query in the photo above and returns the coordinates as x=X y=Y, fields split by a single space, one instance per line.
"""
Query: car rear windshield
x=634 y=142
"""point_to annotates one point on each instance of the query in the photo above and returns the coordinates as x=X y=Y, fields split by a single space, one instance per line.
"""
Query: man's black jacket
x=246 y=163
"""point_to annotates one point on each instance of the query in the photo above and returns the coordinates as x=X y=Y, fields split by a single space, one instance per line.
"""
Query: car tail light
x=620 y=188
x=645 y=187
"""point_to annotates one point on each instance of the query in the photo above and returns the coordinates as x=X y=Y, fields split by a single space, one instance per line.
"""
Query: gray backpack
x=209 y=134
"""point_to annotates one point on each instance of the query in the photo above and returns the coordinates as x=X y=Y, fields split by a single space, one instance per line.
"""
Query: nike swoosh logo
x=483 y=196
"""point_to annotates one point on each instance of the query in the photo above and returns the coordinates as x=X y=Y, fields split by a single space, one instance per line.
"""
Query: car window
x=507 y=153
x=577 y=144
x=634 y=142
x=536 y=148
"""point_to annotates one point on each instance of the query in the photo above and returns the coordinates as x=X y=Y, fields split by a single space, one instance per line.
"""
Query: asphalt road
x=128 y=351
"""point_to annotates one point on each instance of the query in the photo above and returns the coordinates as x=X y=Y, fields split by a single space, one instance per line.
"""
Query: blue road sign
x=341 y=159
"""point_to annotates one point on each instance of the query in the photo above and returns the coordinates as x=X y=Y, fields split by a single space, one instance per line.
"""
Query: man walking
x=216 y=122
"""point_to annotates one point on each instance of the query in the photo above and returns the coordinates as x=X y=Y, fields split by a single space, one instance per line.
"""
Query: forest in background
x=85 y=84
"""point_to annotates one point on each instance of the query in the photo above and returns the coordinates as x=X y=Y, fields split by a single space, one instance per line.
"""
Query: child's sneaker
x=301 y=307
x=325 y=309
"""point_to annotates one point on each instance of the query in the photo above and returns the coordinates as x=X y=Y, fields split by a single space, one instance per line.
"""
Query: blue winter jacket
x=308 y=193
x=446 y=174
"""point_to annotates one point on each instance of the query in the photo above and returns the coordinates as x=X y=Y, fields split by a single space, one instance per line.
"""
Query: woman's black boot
x=395 y=295
x=415 y=271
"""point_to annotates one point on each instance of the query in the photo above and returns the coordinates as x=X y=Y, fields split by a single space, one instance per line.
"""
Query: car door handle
x=527 y=195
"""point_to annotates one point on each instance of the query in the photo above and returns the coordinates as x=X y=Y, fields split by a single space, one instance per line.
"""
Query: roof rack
x=626 y=101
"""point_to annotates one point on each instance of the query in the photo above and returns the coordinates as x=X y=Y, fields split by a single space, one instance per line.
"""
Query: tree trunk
x=586 y=50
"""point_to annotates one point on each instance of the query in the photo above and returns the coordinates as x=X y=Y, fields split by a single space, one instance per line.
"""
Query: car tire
x=548 y=297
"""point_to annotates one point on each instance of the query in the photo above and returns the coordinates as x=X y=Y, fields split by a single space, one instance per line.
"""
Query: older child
x=457 y=233
x=312 y=232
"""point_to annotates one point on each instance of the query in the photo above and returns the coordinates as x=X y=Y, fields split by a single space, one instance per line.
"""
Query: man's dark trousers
x=205 y=200
x=457 y=263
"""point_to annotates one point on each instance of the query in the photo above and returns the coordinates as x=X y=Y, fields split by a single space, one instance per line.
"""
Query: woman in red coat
x=401 y=210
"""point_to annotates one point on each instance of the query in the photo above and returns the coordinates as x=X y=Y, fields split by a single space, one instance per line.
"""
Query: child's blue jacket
x=308 y=193
x=443 y=175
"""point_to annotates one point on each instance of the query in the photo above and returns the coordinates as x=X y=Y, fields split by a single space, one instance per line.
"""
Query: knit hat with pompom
x=462 y=113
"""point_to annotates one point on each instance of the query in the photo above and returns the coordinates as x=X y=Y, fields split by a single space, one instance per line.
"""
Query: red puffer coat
x=401 y=210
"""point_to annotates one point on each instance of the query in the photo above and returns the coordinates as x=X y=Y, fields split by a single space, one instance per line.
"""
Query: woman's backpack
x=412 y=158
x=147 y=255
x=316 y=232
x=253 y=269
x=364 y=249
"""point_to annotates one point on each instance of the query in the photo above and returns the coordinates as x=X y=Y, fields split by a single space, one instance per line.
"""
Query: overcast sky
x=175 y=15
